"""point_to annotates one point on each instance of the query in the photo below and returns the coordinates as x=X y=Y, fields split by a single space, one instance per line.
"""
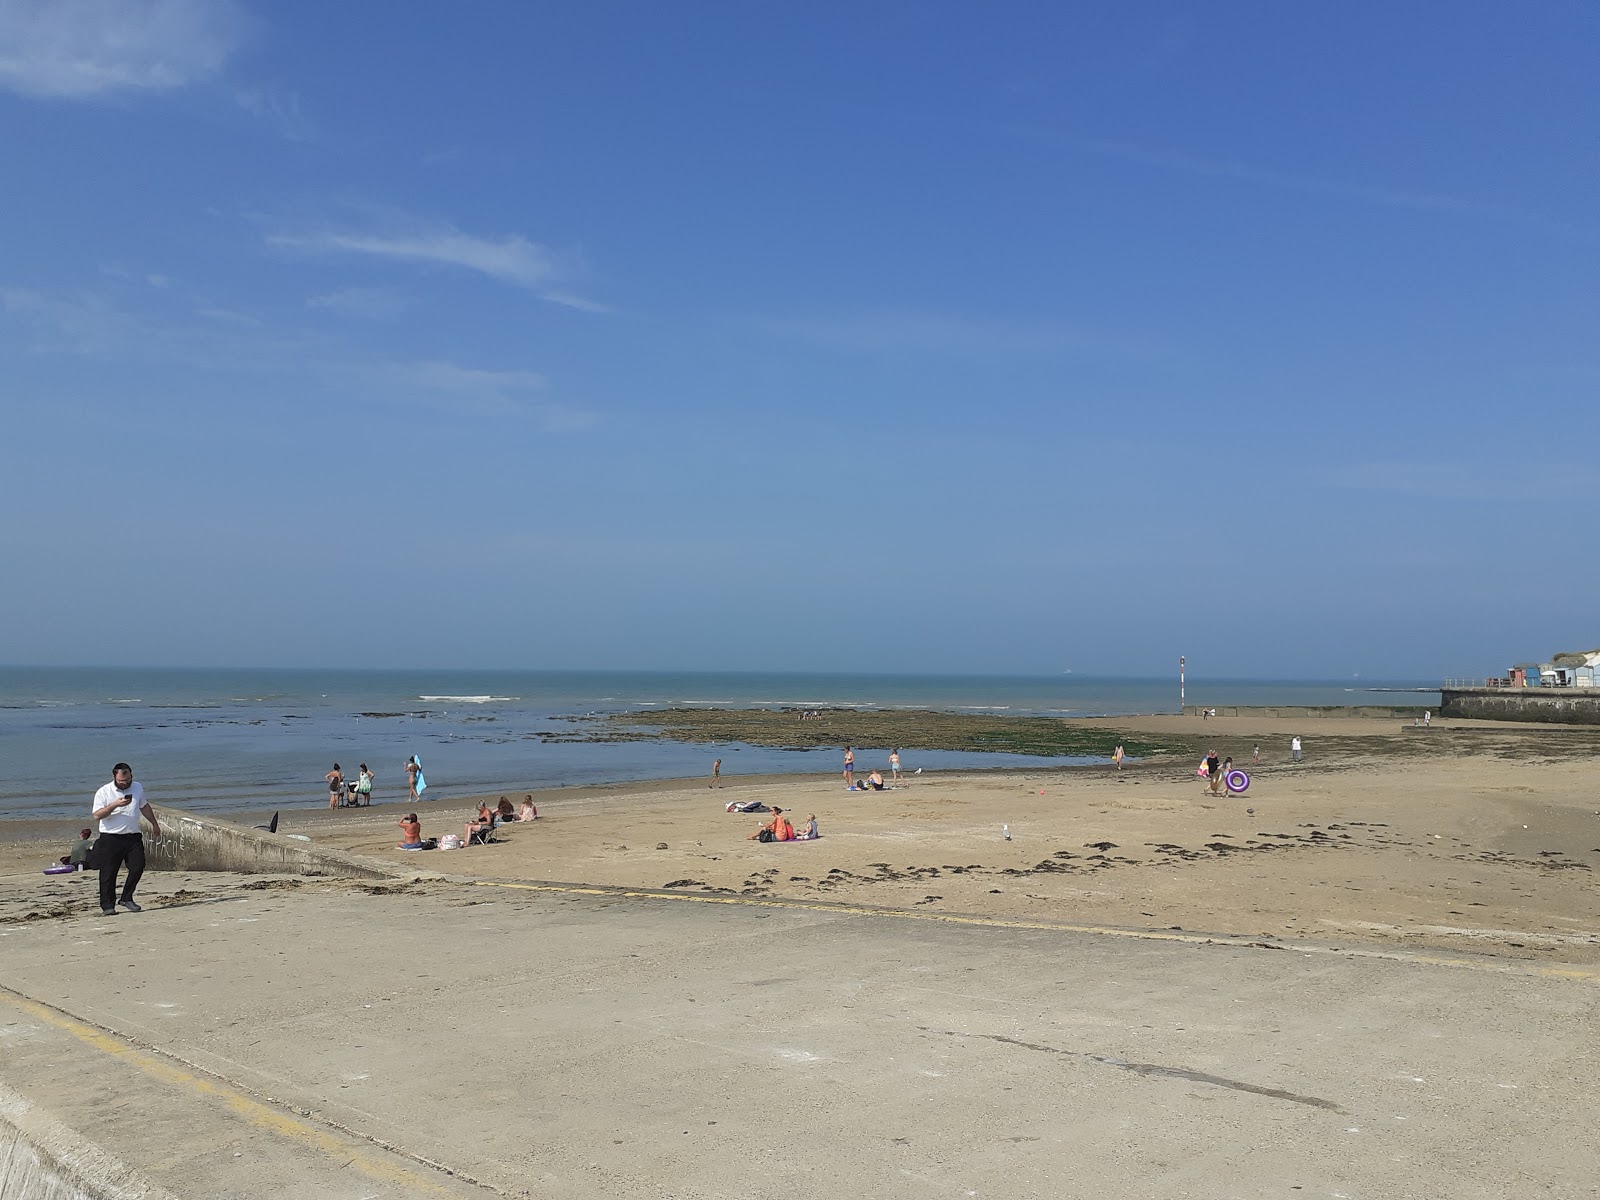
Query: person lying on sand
x=778 y=829
x=410 y=832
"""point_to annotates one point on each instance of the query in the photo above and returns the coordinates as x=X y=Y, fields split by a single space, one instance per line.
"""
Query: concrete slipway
x=363 y=1040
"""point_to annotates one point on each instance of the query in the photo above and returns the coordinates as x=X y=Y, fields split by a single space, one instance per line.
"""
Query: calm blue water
x=229 y=739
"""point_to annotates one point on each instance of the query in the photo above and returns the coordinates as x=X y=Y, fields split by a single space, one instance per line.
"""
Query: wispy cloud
x=481 y=390
x=900 y=330
x=376 y=304
x=279 y=108
x=217 y=339
x=77 y=49
x=512 y=259
x=1365 y=193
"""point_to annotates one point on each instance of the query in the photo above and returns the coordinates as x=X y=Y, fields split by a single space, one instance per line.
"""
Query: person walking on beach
x=1213 y=770
x=1116 y=756
x=335 y=780
x=894 y=766
x=1258 y=754
x=716 y=774
x=849 y=767
x=1294 y=747
x=118 y=806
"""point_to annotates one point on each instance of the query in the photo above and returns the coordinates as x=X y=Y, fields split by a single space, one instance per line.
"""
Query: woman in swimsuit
x=849 y=767
x=335 y=780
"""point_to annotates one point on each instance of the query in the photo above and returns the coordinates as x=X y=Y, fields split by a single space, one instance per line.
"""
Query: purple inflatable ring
x=1236 y=780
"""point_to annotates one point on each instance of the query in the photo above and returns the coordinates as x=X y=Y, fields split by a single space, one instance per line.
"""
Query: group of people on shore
x=874 y=781
x=357 y=792
x=487 y=820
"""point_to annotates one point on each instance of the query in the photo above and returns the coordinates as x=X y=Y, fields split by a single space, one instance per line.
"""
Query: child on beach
x=410 y=832
x=528 y=812
x=1116 y=756
x=809 y=831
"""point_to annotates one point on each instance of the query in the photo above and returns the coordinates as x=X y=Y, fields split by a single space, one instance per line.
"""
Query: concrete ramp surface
x=360 y=1041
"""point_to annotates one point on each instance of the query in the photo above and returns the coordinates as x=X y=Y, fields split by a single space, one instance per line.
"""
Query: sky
x=904 y=337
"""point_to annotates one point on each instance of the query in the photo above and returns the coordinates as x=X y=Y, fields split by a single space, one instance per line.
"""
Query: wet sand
x=1469 y=836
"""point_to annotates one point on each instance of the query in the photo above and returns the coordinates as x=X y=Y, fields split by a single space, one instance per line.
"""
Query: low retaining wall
x=1309 y=710
x=189 y=843
x=1557 y=706
x=40 y=1159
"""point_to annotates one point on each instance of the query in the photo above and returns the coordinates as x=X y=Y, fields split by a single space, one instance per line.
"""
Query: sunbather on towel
x=875 y=781
x=410 y=832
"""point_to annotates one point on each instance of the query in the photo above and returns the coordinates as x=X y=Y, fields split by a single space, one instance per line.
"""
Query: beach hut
x=1576 y=669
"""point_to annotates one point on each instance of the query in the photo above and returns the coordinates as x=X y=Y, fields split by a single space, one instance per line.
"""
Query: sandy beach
x=1467 y=836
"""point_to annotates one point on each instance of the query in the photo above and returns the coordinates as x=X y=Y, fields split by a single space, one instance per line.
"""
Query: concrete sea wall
x=191 y=843
x=1559 y=706
x=40 y=1159
x=1406 y=711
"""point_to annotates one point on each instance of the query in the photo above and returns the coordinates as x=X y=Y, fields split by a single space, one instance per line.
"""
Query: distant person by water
x=335 y=780
x=1116 y=756
x=364 y=786
x=849 y=767
x=894 y=766
x=716 y=774
x=414 y=777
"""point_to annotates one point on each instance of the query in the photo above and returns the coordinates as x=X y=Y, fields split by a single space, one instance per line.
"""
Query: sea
x=243 y=739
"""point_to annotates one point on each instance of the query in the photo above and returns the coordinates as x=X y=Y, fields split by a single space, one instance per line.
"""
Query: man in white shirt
x=1294 y=748
x=117 y=807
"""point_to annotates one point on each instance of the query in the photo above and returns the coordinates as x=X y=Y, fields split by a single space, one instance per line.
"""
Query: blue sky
x=893 y=337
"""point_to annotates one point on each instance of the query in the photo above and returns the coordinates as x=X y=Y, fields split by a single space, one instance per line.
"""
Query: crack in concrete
x=1151 y=1069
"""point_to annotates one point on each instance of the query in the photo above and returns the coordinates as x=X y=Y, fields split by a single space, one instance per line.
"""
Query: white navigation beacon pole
x=1180 y=685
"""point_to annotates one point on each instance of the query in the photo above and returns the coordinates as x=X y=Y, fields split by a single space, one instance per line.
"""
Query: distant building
x=1575 y=669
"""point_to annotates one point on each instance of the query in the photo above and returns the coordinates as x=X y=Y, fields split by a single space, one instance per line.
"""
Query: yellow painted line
x=262 y=1116
x=1583 y=974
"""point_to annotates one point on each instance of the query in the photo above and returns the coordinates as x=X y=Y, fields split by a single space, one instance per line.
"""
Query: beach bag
x=450 y=841
x=764 y=836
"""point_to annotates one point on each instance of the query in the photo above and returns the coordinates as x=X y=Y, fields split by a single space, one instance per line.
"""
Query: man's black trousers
x=114 y=849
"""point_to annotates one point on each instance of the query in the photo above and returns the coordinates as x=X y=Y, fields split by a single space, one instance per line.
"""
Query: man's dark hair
x=122 y=767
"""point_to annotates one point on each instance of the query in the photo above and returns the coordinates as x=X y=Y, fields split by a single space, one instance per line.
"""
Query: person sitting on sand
x=410 y=832
x=527 y=812
x=507 y=813
x=875 y=781
x=778 y=827
x=78 y=858
x=809 y=831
